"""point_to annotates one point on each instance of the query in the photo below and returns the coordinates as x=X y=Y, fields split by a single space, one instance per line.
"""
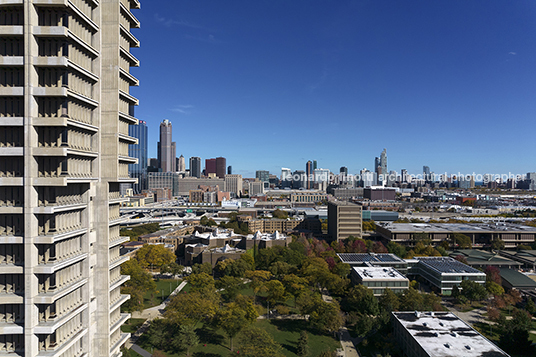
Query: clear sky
x=273 y=83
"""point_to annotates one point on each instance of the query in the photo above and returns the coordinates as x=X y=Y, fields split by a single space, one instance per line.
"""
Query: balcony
x=49 y=327
x=118 y=282
x=51 y=268
x=50 y=297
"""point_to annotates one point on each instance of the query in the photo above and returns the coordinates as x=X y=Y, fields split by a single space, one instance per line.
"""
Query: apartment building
x=65 y=111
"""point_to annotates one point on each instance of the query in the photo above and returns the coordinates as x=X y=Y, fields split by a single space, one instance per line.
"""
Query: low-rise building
x=478 y=258
x=526 y=257
x=512 y=279
x=383 y=260
x=443 y=273
x=378 y=279
x=440 y=334
x=481 y=234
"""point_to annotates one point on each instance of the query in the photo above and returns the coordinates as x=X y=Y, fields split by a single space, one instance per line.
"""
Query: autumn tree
x=255 y=342
x=326 y=316
x=201 y=282
x=140 y=283
x=229 y=286
x=194 y=307
x=235 y=317
x=258 y=280
x=154 y=255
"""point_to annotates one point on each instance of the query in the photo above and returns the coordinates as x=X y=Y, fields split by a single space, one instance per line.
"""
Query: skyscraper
x=286 y=177
x=66 y=110
x=181 y=164
x=210 y=166
x=380 y=167
x=221 y=163
x=166 y=148
x=138 y=151
x=229 y=170
x=262 y=175
x=195 y=166
x=308 y=174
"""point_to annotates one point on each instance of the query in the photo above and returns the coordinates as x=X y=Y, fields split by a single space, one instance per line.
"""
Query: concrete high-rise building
x=181 y=164
x=233 y=184
x=138 y=151
x=65 y=111
x=195 y=166
x=221 y=164
x=344 y=220
x=166 y=148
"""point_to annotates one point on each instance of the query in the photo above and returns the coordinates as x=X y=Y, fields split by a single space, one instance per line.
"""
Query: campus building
x=65 y=112
x=382 y=260
x=344 y=220
x=443 y=273
x=378 y=279
x=439 y=334
x=481 y=234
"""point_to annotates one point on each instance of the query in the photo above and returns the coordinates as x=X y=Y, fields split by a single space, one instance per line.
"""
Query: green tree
x=201 y=282
x=411 y=300
x=276 y=292
x=364 y=324
x=229 y=286
x=360 y=298
x=294 y=285
x=193 y=307
x=497 y=244
x=202 y=268
x=326 y=317
x=473 y=291
x=185 y=339
x=255 y=342
x=258 y=280
x=494 y=289
x=389 y=301
x=280 y=268
x=235 y=317
x=154 y=255
x=307 y=301
x=303 y=344
x=460 y=241
x=396 y=249
x=280 y=214
x=514 y=336
x=140 y=283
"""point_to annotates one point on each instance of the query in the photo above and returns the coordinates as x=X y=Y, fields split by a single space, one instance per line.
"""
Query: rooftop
x=446 y=265
x=369 y=257
x=518 y=280
x=443 y=334
x=457 y=227
x=480 y=257
x=378 y=273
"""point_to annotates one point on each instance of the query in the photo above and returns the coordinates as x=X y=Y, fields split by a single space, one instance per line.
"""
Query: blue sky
x=270 y=84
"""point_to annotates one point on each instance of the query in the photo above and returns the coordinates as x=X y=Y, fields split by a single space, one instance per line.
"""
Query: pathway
x=348 y=343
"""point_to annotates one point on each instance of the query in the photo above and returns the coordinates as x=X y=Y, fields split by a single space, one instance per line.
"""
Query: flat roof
x=448 y=265
x=369 y=257
x=481 y=257
x=443 y=334
x=343 y=203
x=457 y=227
x=378 y=273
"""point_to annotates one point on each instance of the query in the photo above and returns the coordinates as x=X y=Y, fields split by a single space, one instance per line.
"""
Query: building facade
x=221 y=164
x=233 y=184
x=166 y=148
x=195 y=166
x=344 y=220
x=65 y=111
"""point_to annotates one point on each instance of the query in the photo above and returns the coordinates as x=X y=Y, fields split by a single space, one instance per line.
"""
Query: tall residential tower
x=65 y=112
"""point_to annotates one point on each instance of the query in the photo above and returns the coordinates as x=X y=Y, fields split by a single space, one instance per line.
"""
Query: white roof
x=443 y=334
x=378 y=273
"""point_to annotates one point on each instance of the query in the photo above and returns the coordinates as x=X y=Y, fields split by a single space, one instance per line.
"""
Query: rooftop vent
x=424 y=324
x=468 y=347
x=453 y=334
x=447 y=345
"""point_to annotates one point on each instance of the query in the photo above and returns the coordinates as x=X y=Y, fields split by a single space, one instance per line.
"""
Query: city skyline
x=442 y=84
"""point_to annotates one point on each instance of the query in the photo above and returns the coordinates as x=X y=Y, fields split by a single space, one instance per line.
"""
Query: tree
x=154 y=255
x=258 y=279
x=411 y=300
x=280 y=269
x=294 y=285
x=494 y=289
x=422 y=237
x=326 y=317
x=193 y=307
x=140 y=282
x=201 y=282
x=461 y=241
x=303 y=344
x=396 y=249
x=202 y=268
x=360 y=298
x=493 y=274
x=514 y=337
x=185 y=339
x=497 y=244
x=280 y=214
x=364 y=324
x=255 y=342
x=389 y=301
x=229 y=286
x=530 y=306
x=276 y=292
x=236 y=317
x=473 y=291
x=307 y=301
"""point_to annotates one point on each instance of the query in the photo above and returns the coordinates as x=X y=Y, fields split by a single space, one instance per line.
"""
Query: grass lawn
x=132 y=353
x=162 y=292
x=132 y=325
x=285 y=332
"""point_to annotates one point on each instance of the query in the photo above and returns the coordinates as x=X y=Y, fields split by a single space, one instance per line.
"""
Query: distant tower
x=138 y=151
x=166 y=148
x=210 y=166
x=195 y=166
x=308 y=173
x=380 y=167
x=221 y=163
x=344 y=170
x=181 y=164
x=229 y=170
